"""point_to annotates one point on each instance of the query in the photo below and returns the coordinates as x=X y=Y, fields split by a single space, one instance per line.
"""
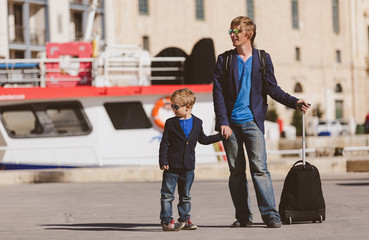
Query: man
x=240 y=111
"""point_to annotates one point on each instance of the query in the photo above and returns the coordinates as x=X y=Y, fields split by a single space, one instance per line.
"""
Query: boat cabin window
x=21 y=122
x=66 y=119
x=127 y=115
x=45 y=119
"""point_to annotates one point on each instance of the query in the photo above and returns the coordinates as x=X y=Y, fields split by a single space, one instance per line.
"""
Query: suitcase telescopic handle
x=300 y=161
x=303 y=139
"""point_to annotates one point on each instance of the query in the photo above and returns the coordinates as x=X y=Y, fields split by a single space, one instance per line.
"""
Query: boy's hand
x=164 y=167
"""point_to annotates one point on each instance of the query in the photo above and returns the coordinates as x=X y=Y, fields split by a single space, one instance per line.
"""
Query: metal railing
x=15 y=76
x=291 y=151
x=138 y=70
x=345 y=150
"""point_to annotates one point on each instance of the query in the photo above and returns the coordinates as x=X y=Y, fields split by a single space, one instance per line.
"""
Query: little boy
x=177 y=159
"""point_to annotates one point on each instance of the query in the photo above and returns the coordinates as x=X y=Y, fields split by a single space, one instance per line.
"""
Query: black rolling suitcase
x=302 y=197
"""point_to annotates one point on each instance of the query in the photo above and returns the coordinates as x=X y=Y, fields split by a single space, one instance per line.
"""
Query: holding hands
x=226 y=131
x=164 y=167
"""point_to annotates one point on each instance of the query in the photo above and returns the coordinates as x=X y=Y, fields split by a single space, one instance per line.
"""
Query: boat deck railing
x=100 y=72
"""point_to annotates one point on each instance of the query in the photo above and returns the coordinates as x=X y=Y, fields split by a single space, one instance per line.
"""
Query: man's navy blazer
x=226 y=89
x=178 y=151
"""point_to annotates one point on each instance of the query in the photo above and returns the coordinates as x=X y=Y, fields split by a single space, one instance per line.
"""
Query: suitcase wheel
x=320 y=219
x=289 y=220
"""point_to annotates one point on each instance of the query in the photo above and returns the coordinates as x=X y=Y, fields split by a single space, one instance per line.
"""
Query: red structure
x=68 y=73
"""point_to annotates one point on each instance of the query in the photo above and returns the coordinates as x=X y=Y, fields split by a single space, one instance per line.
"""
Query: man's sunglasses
x=234 y=30
x=176 y=107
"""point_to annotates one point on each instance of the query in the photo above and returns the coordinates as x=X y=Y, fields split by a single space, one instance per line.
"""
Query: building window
x=336 y=24
x=16 y=31
x=37 y=25
x=127 y=115
x=77 y=22
x=297 y=54
x=200 y=14
x=27 y=26
x=54 y=119
x=298 y=88
x=143 y=7
x=338 y=56
x=339 y=109
x=79 y=11
x=338 y=88
x=295 y=14
x=16 y=54
x=250 y=9
x=145 y=43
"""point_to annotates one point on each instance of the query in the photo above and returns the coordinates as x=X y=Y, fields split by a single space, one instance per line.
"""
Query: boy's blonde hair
x=183 y=96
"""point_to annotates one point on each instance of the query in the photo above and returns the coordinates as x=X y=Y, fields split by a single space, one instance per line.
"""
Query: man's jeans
x=185 y=179
x=248 y=133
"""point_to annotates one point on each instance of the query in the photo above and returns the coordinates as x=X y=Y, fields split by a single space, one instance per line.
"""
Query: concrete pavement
x=129 y=210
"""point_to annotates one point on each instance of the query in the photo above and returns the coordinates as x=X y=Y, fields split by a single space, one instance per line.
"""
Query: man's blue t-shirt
x=186 y=125
x=241 y=110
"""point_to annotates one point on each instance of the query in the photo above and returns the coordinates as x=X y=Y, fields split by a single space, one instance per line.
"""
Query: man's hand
x=302 y=106
x=226 y=131
x=164 y=167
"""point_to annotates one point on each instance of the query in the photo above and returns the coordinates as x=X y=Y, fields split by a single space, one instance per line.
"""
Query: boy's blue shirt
x=186 y=125
x=176 y=149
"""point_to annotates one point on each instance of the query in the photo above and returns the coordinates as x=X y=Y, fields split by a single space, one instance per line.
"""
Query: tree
x=297 y=122
x=272 y=114
x=317 y=111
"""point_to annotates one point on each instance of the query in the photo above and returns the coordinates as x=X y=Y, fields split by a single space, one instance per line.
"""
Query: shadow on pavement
x=354 y=184
x=142 y=227
x=254 y=225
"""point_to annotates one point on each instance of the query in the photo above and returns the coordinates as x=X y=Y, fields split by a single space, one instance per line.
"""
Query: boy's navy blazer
x=225 y=89
x=178 y=151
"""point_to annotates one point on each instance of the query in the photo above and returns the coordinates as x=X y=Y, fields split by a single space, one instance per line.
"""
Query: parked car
x=346 y=128
x=329 y=128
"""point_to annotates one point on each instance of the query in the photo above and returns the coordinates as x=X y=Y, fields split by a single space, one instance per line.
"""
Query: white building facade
x=320 y=49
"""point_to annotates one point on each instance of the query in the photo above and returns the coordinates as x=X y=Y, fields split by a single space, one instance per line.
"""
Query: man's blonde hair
x=247 y=24
x=183 y=96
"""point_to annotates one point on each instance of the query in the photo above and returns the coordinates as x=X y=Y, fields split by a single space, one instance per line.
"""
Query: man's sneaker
x=189 y=225
x=242 y=224
x=173 y=226
x=274 y=222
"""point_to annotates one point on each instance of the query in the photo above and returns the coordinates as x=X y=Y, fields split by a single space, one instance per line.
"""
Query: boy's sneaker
x=173 y=226
x=189 y=225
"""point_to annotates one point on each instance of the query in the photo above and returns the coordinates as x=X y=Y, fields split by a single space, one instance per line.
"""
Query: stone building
x=319 y=48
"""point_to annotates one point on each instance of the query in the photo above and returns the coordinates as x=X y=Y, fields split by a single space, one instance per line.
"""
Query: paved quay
x=129 y=210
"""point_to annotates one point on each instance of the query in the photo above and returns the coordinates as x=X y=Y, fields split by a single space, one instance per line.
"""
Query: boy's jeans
x=248 y=133
x=185 y=179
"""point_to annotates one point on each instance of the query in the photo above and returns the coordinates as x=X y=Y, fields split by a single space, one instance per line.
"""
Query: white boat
x=89 y=112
